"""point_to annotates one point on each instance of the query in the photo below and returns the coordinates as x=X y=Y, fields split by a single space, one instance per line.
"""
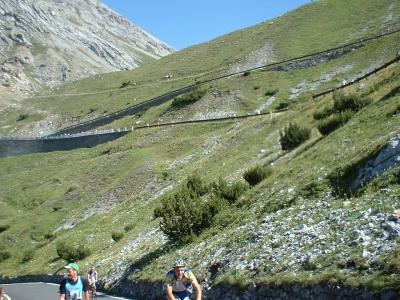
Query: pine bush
x=188 y=98
x=257 y=174
x=28 y=255
x=337 y=120
x=353 y=102
x=293 y=136
x=4 y=227
x=4 y=255
x=71 y=253
x=192 y=209
x=117 y=235
x=231 y=193
x=184 y=213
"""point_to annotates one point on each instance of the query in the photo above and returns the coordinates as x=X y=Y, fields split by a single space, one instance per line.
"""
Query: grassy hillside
x=84 y=196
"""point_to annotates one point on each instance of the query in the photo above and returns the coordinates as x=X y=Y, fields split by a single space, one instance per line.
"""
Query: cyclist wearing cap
x=74 y=287
x=180 y=281
x=92 y=277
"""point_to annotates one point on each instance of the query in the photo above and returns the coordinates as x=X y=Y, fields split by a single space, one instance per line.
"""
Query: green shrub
x=166 y=174
x=71 y=189
x=231 y=193
x=28 y=255
x=319 y=115
x=117 y=235
x=235 y=191
x=49 y=236
x=193 y=208
x=57 y=207
x=353 y=102
x=226 y=217
x=124 y=84
x=4 y=255
x=329 y=125
x=22 y=117
x=293 y=136
x=188 y=98
x=186 y=213
x=4 y=227
x=71 y=253
x=129 y=227
x=393 y=112
x=282 y=105
x=342 y=103
x=158 y=212
x=196 y=184
x=257 y=174
x=271 y=92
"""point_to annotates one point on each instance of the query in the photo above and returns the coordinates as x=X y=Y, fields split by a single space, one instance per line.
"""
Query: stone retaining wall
x=15 y=147
x=153 y=290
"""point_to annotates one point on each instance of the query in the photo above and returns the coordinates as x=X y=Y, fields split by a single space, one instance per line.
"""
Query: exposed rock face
x=388 y=158
x=46 y=42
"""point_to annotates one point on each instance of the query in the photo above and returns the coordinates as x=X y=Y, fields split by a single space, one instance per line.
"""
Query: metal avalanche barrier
x=22 y=146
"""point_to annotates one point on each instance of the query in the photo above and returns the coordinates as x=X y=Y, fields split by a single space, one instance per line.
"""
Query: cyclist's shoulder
x=187 y=271
x=188 y=274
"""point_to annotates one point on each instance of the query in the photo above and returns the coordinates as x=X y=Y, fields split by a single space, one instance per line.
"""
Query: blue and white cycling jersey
x=74 y=291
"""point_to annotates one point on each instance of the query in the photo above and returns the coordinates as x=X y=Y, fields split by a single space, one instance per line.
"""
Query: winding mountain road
x=37 y=291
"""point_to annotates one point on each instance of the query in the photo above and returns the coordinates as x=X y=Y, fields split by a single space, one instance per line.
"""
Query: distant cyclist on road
x=74 y=287
x=180 y=281
x=92 y=277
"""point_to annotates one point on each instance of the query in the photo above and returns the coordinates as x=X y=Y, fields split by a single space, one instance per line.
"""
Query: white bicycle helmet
x=179 y=263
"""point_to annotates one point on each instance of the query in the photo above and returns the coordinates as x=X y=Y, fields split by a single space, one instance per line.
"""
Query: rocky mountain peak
x=46 y=42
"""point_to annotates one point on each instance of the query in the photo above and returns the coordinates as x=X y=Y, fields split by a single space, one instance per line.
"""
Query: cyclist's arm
x=85 y=289
x=86 y=295
x=168 y=290
x=62 y=290
x=197 y=287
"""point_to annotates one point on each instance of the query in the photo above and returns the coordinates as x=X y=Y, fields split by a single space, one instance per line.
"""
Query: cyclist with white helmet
x=180 y=281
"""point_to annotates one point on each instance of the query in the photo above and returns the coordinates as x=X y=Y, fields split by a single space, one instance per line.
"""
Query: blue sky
x=184 y=23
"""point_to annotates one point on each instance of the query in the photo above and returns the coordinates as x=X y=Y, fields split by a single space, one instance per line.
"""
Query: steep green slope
x=85 y=195
x=311 y=28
